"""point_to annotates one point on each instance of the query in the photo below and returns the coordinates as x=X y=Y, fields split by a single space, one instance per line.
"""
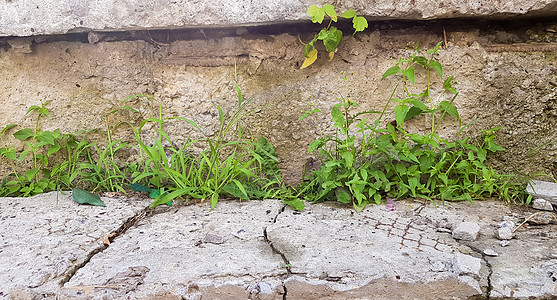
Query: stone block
x=542 y=204
x=467 y=231
x=504 y=233
x=28 y=17
x=543 y=190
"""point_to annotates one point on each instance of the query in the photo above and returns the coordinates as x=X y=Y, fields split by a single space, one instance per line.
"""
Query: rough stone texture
x=467 y=231
x=518 y=278
x=26 y=17
x=543 y=189
x=542 y=204
x=188 y=251
x=45 y=237
x=542 y=218
x=257 y=250
x=191 y=73
x=504 y=233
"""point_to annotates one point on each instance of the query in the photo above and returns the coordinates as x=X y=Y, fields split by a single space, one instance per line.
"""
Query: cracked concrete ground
x=53 y=248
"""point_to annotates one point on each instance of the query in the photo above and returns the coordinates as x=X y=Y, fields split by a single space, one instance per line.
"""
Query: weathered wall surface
x=28 y=17
x=503 y=77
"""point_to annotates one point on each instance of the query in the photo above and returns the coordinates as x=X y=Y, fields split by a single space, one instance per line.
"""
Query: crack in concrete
x=277 y=251
x=130 y=222
x=487 y=293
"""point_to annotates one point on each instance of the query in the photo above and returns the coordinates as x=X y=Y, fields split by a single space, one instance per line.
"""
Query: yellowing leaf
x=331 y=55
x=312 y=57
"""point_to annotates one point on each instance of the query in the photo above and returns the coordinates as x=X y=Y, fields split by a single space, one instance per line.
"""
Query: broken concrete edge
x=241 y=27
x=29 y=18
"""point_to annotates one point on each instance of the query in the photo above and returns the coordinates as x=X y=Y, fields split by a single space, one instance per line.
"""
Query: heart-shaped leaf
x=84 y=197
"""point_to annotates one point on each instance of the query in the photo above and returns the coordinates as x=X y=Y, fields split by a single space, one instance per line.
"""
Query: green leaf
x=140 y=188
x=32 y=108
x=377 y=198
x=30 y=174
x=418 y=103
x=412 y=112
x=331 y=38
x=23 y=154
x=192 y=123
x=154 y=193
x=297 y=203
x=317 y=14
x=400 y=114
x=53 y=149
x=306 y=50
x=242 y=189
x=450 y=108
x=391 y=71
x=338 y=117
x=330 y=10
x=359 y=23
x=400 y=169
x=447 y=85
x=437 y=66
x=23 y=134
x=315 y=144
x=348 y=14
x=360 y=207
x=8 y=127
x=46 y=137
x=85 y=197
x=409 y=73
x=420 y=60
x=348 y=158
x=343 y=196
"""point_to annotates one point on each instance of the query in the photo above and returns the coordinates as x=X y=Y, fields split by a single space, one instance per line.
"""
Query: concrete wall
x=506 y=70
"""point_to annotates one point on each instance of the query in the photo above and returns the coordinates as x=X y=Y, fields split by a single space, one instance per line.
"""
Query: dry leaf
x=312 y=57
x=106 y=239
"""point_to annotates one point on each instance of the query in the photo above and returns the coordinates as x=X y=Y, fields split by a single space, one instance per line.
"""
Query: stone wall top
x=46 y=17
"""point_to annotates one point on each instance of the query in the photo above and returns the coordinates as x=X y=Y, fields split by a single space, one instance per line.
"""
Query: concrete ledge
x=263 y=250
x=27 y=17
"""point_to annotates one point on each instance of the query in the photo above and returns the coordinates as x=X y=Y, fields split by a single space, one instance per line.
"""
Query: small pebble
x=490 y=252
x=467 y=231
x=213 y=239
x=542 y=204
x=504 y=243
x=504 y=233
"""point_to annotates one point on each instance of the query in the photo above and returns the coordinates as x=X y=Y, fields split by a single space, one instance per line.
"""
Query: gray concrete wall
x=28 y=17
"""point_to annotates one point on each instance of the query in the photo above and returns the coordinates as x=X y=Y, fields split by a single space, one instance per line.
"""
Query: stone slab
x=27 y=17
x=186 y=253
x=338 y=253
x=543 y=189
x=45 y=237
x=261 y=250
